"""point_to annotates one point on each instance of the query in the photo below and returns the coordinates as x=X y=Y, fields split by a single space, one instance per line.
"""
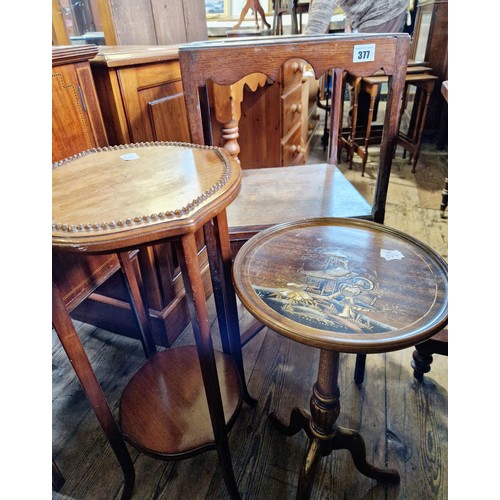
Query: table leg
x=324 y=434
x=293 y=15
x=57 y=478
x=217 y=278
x=70 y=341
x=137 y=304
x=195 y=293
x=354 y=118
x=277 y=19
x=419 y=125
x=444 y=199
x=372 y=91
x=359 y=368
x=220 y=260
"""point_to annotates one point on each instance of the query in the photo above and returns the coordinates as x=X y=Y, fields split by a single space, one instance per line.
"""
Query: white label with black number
x=364 y=53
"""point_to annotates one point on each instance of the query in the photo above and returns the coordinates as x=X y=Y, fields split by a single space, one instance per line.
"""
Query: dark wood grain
x=337 y=284
x=167 y=415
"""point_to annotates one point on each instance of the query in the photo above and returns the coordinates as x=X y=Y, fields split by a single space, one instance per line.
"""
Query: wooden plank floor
x=404 y=423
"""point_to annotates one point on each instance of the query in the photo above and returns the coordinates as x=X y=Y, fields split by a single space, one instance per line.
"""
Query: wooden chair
x=274 y=195
x=422 y=355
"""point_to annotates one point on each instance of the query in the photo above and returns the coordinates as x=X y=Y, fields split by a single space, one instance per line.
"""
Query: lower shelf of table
x=164 y=410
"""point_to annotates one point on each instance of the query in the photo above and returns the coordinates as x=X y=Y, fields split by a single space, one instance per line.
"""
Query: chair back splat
x=219 y=70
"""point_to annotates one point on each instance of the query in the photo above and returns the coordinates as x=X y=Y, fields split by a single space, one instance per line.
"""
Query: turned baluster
x=227 y=102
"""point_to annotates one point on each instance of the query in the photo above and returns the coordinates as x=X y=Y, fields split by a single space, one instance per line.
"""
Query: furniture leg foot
x=57 y=478
x=299 y=419
x=348 y=439
x=421 y=363
x=363 y=167
x=228 y=472
x=308 y=469
x=128 y=485
x=359 y=369
x=324 y=139
x=249 y=400
x=444 y=198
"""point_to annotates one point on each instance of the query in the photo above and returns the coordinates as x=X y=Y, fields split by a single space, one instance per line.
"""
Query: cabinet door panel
x=71 y=130
x=154 y=102
x=167 y=114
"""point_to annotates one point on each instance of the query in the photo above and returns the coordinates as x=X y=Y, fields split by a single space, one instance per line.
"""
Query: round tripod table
x=115 y=199
x=341 y=285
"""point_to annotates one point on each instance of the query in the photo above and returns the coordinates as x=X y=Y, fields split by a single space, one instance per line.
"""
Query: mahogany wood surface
x=328 y=191
x=343 y=284
x=200 y=63
x=166 y=190
x=404 y=425
x=436 y=52
x=77 y=123
x=178 y=422
x=144 y=194
x=72 y=345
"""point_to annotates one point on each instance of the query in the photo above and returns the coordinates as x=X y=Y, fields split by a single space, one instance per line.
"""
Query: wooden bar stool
x=184 y=400
x=340 y=285
x=411 y=141
x=288 y=7
x=417 y=76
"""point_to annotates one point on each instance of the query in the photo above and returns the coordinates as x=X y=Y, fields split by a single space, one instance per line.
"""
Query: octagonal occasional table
x=112 y=200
